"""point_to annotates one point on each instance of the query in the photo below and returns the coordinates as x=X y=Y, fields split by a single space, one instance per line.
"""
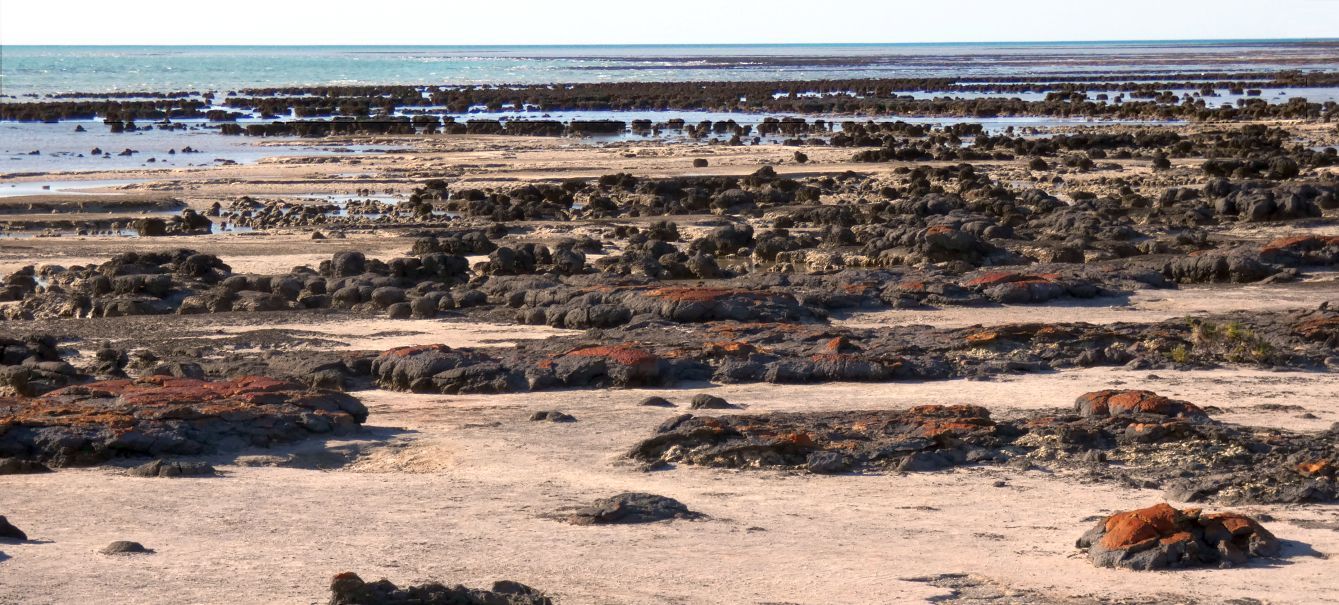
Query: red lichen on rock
x=1135 y=528
x=1300 y=243
x=938 y=420
x=625 y=354
x=912 y=285
x=1112 y=402
x=1011 y=332
x=1160 y=537
x=995 y=278
x=158 y=415
x=729 y=348
x=840 y=344
x=1316 y=468
x=1318 y=328
x=699 y=294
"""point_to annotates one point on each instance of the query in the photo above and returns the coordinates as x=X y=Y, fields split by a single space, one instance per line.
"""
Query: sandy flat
x=462 y=490
x=374 y=334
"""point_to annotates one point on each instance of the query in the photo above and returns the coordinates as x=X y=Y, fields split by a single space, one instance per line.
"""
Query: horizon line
x=683 y=44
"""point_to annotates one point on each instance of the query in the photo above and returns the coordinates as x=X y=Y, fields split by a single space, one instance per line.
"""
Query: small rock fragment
x=704 y=401
x=632 y=507
x=163 y=468
x=552 y=416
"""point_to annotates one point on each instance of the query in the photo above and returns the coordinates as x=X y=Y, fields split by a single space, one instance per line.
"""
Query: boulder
x=1162 y=537
x=1113 y=402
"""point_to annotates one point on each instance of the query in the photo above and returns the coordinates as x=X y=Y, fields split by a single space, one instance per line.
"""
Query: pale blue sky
x=637 y=21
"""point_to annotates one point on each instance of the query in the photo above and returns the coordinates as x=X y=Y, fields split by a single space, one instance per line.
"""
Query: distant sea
x=42 y=70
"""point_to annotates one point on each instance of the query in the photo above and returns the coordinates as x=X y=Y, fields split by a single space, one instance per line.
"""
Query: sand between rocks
x=474 y=481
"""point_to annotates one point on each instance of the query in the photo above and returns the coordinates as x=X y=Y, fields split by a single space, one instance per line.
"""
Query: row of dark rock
x=771 y=348
x=1136 y=438
x=829 y=96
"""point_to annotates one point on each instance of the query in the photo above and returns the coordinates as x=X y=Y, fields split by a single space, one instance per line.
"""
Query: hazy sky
x=636 y=21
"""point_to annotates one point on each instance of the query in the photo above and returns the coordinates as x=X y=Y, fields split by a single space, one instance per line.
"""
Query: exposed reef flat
x=656 y=359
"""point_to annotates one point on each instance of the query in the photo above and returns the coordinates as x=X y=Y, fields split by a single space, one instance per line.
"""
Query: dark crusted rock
x=922 y=438
x=349 y=589
x=648 y=355
x=632 y=507
x=827 y=463
x=552 y=416
x=9 y=532
x=163 y=468
x=125 y=547
x=705 y=401
x=164 y=416
x=1162 y=537
x=1160 y=445
x=21 y=466
x=348 y=264
x=416 y=369
x=1133 y=403
x=656 y=401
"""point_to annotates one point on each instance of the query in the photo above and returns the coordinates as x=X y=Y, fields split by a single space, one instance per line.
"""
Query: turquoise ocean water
x=41 y=70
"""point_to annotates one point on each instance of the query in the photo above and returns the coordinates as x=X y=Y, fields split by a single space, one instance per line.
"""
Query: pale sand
x=468 y=499
x=374 y=334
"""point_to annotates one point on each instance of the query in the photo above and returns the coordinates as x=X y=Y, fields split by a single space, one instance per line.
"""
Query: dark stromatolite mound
x=33 y=366
x=552 y=416
x=922 y=438
x=439 y=368
x=158 y=415
x=706 y=401
x=632 y=507
x=1148 y=441
x=9 y=532
x=349 y=589
x=21 y=466
x=125 y=547
x=1132 y=403
x=1162 y=537
x=164 y=468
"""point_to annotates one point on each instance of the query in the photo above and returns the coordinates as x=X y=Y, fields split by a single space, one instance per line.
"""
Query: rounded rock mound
x=165 y=416
x=632 y=507
x=349 y=589
x=1162 y=537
